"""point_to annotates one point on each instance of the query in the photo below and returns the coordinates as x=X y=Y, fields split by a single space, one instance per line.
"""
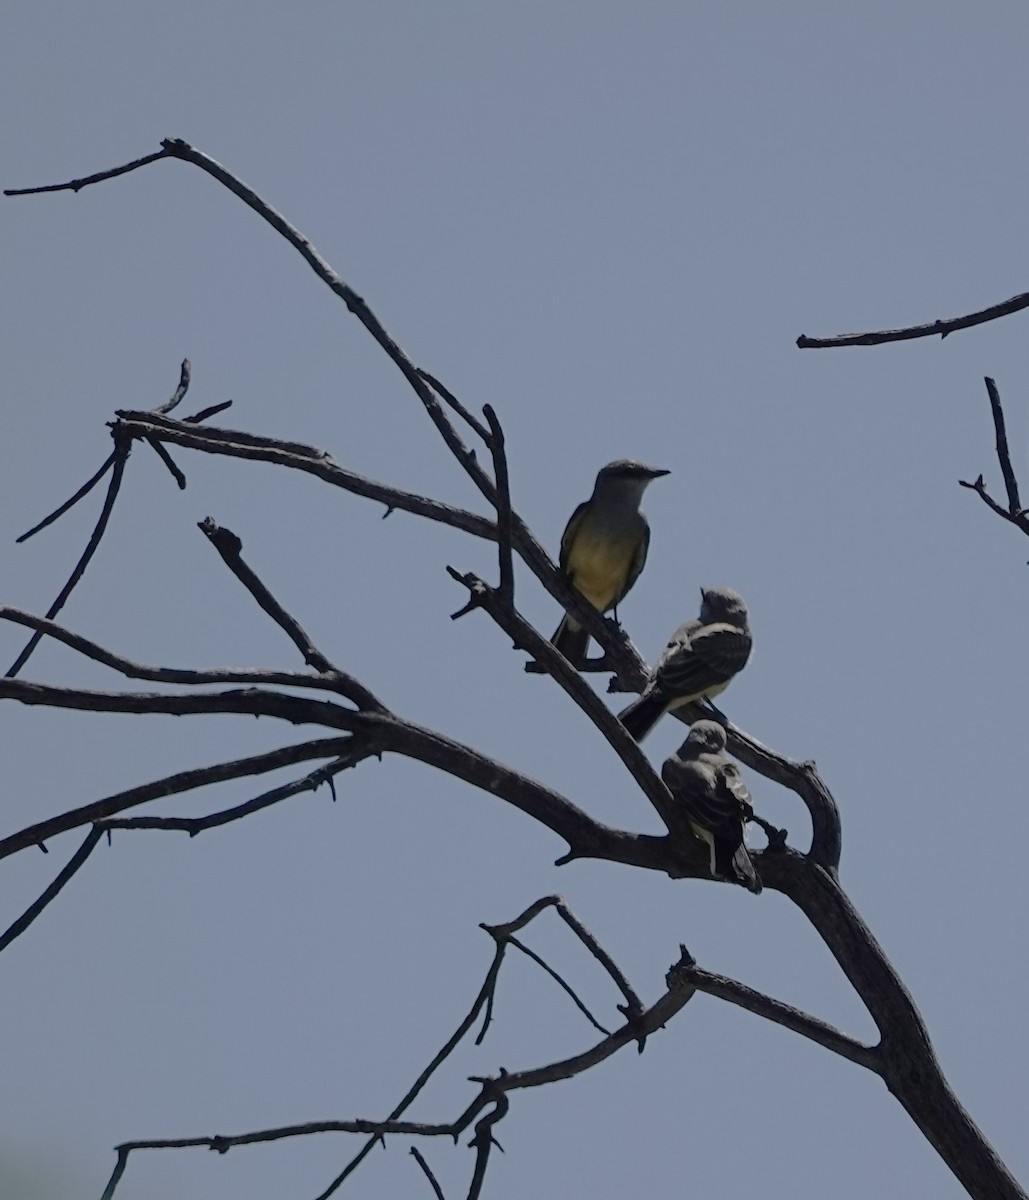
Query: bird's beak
x=657 y=472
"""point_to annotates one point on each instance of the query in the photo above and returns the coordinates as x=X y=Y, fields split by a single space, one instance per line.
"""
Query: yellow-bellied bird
x=604 y=547
x=707 y=783
x=698 y=663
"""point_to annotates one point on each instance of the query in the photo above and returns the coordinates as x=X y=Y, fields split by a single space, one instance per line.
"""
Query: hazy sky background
x=611 y=222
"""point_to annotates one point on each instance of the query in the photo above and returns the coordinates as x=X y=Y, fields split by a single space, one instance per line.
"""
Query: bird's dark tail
x=642 y=715
x=572 y=640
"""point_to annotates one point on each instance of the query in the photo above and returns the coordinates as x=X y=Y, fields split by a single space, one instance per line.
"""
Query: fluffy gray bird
x=698 y=663
x=604 y=547
x=708 y=785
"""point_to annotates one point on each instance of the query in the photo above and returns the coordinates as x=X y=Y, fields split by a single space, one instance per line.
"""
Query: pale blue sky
x=611 y=222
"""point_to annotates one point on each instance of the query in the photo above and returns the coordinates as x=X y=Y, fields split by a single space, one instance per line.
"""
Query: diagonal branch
x=77 y=860
x=122 y=449
x=942 y=328
x=171 y=785
x=194 y=825
x=786 y=1015
x=83 y=491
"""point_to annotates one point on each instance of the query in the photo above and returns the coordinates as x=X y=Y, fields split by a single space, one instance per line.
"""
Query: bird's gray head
x=723 y=604
x=625 y=476
x=706 y=737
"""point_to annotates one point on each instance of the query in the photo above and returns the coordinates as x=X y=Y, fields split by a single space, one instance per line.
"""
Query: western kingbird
x=604 y=547
x=708 y=785
x=697 y=663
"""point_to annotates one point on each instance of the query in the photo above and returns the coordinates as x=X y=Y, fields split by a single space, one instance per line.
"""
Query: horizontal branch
x=133 y=670
x=934 y=328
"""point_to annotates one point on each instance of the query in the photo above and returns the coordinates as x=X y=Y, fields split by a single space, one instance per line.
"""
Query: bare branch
x=83 y=491
x=237 y=444
x=77 y=184
x=1005 y=308
x=416 y=1153
x=496 y=446
x=134 y=670
x=1014 y=512
x=194 y=825
x=181 y=389
x=784 y=1014
x=456 y=405
x=230 y=548
x=525 y=637
x=18 y=927
x=562 y=983
x=171 y=785
x=122 y=448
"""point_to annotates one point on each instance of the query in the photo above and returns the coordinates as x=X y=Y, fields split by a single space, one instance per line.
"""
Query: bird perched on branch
x=699 y=662
x=708 y=785
x=604 y=547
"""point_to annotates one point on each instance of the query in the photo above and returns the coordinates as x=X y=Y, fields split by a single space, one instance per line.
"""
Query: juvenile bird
x=708 y=785
x=699 y=662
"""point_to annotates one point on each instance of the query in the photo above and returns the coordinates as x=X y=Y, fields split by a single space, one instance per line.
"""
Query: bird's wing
x=733 y=781
x=569 y=535
x=638 y=562
x=708 y=656
x=695 y=785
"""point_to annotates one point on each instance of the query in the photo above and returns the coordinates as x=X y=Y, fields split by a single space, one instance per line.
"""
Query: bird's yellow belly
x=599 y=569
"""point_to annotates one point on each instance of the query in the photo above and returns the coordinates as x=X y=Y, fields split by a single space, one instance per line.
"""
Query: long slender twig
x=83 y=491
x=500 y=472
x=934 y=328
x=77 y=860
x=122 y=448
x=560 y=981
x=427 y=1171
x=1014 y=512
x=195 y=825
x=134 y=670
x=170 y=785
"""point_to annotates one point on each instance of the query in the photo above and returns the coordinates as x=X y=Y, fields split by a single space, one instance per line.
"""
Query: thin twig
x=134 y=670
x=122 y=448
x=1003 y=454
x=18 y=927
x=500 y=471
x=168 y=461
x=230 y=548
x=83 y=491
x=76 y=184
x=455 y=404
x=195 y=825
x=171 y=785
x=942 y=328
x=237 y=444
x=566 y=987
x=484 y=996
x=419 y=1159
x=211 y=411
x=181 y=389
